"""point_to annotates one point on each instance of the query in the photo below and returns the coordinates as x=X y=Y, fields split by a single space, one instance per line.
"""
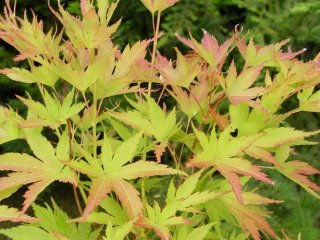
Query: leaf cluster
x=224 y=130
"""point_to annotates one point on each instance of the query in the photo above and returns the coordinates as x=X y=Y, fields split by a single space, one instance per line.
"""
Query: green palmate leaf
x=121 y=129
x=186 y=192
x=57 y=222
x=188 y=186
x=309 y=102
x=53 y=113
x=106 y=10
x=249 y=122
x=225 y=154
x=119 y=233
x=150 y=119
x=160 y=221
x=185 y=196
x=113 y=173
x=85 y=122
x=81 y=78
x=198 y=233
x=40 y=171
x=37 y=75
x=9 y=125
x=116 y=213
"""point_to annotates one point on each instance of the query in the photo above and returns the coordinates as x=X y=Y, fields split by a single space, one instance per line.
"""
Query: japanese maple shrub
x=108 y=132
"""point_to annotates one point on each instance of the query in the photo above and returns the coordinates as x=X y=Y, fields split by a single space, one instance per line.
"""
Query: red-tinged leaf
x=211 y=45
x=244 y=167
x=99 y=189
x=238 y=88
x=252 y=198
x=209 y=49
x=84 y=6
x=221 y=120
x=275 y=137
x=17 y=162
x=33 y=191
x=183 y=74
x=114 y=169
x=14 y=215
x=224 y=153
x=248 y=218
x=187 y=42
x=298 y=172
x=261 y=154
x=161 y=231
x=159 y=150
x=234 y=181
x=269 y=55
x=35 y=123
x=177 y=221
x=128 y=196
x=129 y=57
x=290 y=54
x=16 y=179
x=39 y=173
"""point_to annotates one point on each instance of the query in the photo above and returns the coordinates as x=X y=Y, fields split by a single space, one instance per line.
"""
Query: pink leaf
x=98 y=191
x=128 y=196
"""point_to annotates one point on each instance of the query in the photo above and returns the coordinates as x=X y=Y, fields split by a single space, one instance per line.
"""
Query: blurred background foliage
x=267 y=21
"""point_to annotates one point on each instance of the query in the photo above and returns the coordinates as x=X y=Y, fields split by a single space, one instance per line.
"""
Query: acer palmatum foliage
x=224 y=129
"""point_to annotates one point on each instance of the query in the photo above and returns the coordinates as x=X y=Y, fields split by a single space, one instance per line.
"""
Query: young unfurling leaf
x=52 y=113
x=209 y=49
